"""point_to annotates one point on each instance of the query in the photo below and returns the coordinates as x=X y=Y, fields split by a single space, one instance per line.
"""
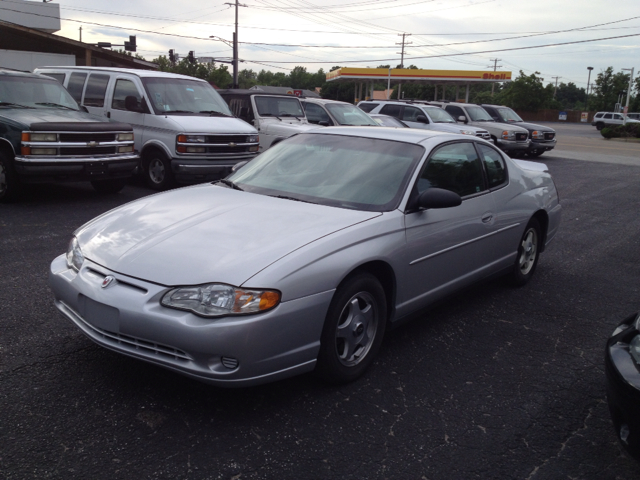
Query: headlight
x=217 y=299
x=191 y=139
x=74 y=255
x=537 y=135
x=125 y=137
x=468 y=132
x=507 y=135
x=39 y=137
x=253 y=139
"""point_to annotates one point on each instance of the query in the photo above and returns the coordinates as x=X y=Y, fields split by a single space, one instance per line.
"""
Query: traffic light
x=130 y=46
x=191 y=57
x=172 y=56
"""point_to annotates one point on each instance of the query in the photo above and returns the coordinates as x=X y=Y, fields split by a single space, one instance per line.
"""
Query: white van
x=184 y=130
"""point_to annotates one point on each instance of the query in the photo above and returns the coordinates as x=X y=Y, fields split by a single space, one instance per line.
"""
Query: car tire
x=353 y=330
x=112 y=185
x=9 y=182
x=528 y=254
x=535 y=153
x=157 y=170
x=599 y=126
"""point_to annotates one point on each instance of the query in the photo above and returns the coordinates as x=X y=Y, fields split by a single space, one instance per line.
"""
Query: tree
x=219 y=76
x=607 y=90
x=525 y=93
x=247 y=78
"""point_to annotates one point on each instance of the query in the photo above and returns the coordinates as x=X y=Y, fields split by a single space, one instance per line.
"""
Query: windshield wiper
x=9 y=104
x=51 y=104
x=215 y=113
x=284 y=197
x=177 y=111
x=229 y=183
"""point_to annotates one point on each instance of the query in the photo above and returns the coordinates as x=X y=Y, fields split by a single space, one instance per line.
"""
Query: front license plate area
x=99 y=315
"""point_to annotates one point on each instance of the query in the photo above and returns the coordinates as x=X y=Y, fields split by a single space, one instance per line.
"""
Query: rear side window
x=316 y=114
x=124 y=89
x=240 y=107
x=494 y=166
x=96 y=89
x=57 y=76
x=367 y=107
x=392 y=110
x=454 y=111
x=76 y=84
x=608 y=116
x=455 y=167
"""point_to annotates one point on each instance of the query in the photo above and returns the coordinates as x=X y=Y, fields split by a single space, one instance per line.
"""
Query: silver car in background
x=303 y=258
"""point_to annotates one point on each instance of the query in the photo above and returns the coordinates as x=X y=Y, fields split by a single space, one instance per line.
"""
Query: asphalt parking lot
x=496 y=383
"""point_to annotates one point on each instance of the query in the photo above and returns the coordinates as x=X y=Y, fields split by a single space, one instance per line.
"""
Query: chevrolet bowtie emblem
x=232 y=144
x=92 y=144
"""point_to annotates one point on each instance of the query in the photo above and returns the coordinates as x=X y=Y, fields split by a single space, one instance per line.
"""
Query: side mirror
x=239 y=165
x=438 y=198
x=422 y=119
x=131 y=104
x=84 y=109
x=462 y=119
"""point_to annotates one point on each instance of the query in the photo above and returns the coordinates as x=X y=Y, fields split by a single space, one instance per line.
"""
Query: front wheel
x=157 y=169
x=535 y=153
x=353 y=329
x=113 y=185
x=599 y=126
x=528 y=254
x=9 y=184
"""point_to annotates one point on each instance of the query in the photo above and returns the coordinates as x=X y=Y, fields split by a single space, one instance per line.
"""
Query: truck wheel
x=113 y=185
x=9 y=183
x=157 y=169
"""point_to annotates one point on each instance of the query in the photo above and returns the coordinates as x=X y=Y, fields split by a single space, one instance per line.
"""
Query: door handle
x=108 y=114
x=487 y=217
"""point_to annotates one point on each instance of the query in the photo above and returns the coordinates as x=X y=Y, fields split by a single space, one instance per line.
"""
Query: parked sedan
x=304 y=257
x=622 y=367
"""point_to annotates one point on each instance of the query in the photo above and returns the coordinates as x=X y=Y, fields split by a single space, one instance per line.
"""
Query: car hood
x=207 y=233
x=499 y=125
x=533 y=126
x=27 y=116
x=207 y=124
x=455 y=127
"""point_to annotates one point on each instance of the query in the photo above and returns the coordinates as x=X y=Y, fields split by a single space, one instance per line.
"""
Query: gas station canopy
x=407 y=75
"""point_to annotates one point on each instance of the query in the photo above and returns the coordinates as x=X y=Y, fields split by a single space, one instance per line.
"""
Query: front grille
x=484 y=135
x=228 y=149
x=88 y=151
x=226 y=139
x=521 y=137
x=87 y=137
x=549 y=135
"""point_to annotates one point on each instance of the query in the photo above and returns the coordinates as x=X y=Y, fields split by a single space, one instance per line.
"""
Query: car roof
x=408 y=135
x=17 y=73
x=132 y=71
x=322 y=101
x=245 y=91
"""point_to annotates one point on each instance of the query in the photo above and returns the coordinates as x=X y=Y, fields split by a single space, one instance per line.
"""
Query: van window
x=124 y=89
x=76 y=84
x=96 y=89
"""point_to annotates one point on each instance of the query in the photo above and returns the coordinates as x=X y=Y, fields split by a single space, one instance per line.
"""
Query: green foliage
x=219 y=76
x=247 y=79
x=525 y=93
x=630 y=130
x=607 y=90
x=570 y=97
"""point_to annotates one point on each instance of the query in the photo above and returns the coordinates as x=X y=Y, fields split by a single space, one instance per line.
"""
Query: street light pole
x=626 y=108
x=586 y=101
x=235 y=51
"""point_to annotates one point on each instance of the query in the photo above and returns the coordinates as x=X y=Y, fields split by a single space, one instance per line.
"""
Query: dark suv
x=45 y=136
x=542 y=138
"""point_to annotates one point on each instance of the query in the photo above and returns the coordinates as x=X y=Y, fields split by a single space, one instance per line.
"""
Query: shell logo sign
x=496 y=76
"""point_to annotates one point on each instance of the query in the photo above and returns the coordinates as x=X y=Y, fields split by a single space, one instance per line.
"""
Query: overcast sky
x=278 y=35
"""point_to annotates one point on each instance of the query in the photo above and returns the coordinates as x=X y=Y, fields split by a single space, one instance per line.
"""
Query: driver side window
x=455 y=167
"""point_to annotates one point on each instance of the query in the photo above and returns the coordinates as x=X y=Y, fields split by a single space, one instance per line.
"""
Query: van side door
x=126 y=103
x=95 y=92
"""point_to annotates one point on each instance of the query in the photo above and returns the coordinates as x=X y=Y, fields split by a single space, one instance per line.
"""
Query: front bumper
x=43 y=169
x=542 y=145
x=513 y=145
x=229 y=351
x=623 y=386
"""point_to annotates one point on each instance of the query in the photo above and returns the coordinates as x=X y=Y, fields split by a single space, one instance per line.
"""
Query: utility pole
x=495 y=67
x=626 y=108
x=81 y=33
x=556 y=88
x=402 y=56
x=235 y=44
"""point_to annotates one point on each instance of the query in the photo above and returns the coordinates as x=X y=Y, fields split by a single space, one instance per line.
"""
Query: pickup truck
x=46 y=137
x=276 y=117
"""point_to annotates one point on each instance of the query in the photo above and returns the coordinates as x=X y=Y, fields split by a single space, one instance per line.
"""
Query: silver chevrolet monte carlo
x=304 y=257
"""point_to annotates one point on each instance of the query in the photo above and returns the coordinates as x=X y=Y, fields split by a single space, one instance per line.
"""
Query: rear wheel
x=157 y=169
x=9 y=183
x=528 y=254
x=599 y=126
x=353 y=329
x=113 y=185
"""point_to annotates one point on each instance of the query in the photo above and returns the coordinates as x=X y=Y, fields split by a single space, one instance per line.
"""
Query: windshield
x=479 y=114
x=508 y=115
x=346 y=114
x=439 y=115
x=349 y=172
x=387 y=121
x=183 y=96
x=278 y=106
x=33 y=92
